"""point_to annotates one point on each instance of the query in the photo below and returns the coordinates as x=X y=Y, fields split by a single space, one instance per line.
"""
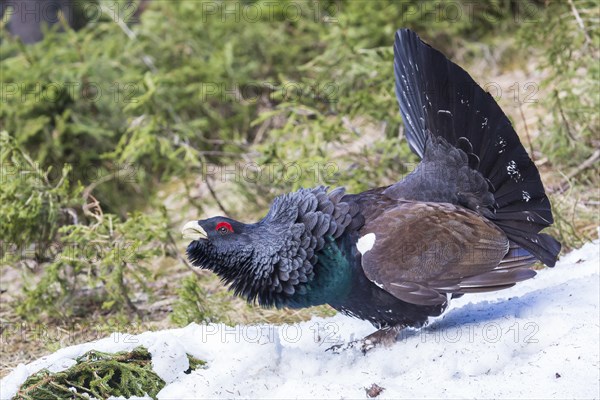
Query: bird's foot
x=383 y=337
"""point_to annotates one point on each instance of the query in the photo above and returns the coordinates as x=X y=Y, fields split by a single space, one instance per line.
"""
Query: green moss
x=100 y=375
x=195 y=363
x=196 y=304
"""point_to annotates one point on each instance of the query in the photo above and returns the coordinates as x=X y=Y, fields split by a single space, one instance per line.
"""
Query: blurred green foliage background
x=114 y=134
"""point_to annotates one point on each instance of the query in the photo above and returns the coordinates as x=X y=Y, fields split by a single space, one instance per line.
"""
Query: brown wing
x=420 y=251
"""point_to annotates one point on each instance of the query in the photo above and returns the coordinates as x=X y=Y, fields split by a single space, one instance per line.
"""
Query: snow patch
x=168 y=358
x=538 y=339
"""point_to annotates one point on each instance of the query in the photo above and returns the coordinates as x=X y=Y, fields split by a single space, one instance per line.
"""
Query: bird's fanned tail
x=438 y=98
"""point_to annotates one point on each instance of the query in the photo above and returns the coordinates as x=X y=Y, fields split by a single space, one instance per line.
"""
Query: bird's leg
x=383 y=337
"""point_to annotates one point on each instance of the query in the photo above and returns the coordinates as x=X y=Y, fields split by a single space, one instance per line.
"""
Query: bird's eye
x=224 y=227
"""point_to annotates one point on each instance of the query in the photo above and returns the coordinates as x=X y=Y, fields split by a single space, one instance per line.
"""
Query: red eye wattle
x=224 y=227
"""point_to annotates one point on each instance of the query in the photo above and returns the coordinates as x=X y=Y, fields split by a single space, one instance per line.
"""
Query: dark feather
x=424 y=250
x=439 y=98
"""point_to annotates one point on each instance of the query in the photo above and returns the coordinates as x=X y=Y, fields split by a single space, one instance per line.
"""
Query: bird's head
x=219 y=242
x=275 y=258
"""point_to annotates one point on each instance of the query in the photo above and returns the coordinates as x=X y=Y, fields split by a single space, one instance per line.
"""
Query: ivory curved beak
x=193 y=231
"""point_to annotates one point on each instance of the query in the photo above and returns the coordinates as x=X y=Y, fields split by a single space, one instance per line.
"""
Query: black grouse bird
x=466 y=220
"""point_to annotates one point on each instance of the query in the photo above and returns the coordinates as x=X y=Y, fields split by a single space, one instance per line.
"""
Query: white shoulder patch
x=365 y=243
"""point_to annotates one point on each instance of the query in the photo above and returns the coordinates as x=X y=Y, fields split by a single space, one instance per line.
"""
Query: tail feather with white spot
x=439 y=98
